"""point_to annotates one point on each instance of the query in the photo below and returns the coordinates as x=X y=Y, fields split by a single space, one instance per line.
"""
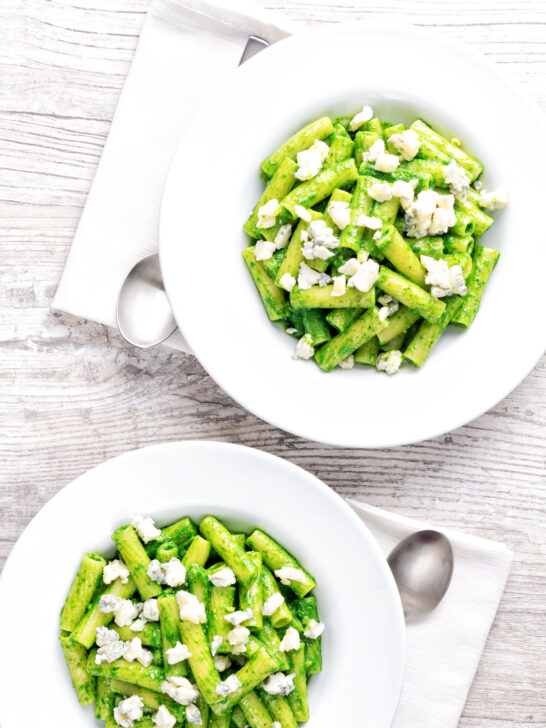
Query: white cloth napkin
x=186 y=48
x=443 y=650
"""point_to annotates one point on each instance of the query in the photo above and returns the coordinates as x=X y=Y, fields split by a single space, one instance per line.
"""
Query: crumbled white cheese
x=444 y=281
x=365 y=277
x=272 y=603
x=238 y=636
x=228 y=686
x=191 y=609
x=110 y=652
x=429 y=214
x=404 y=190
x=377 y=235
x=116 y=569
x=163 y=718
x=493 y=200
x=456 y=281
x=419 y=214
x=276 y=724
x=350 y=267
x=302 y=213
x=193 y=714
x=320 y=241
x=124 y=610
x=444 y=215
x=175 y=572
x=437 y=271
x=109 y=644
x=374 y=151
x=380 y=191
x=308 y=277
x=279 y=684
x=386 y=162
x=407 y=143
x=314 y=629
x=347 y=363
x=304 y=348
x=150 y=610
x=222 y=662
x=263 y=250
x=456 y=177
x=237 y=618
x=287 y=282
x=215 y=644
x=128 y=711
x=105 y=636
x=313 y=250
x=177 y=654
x=310 y=161
x=361 y=118
x=223 y=577
x=109 y=603
x=134 y=652
x=389 y=305
x=180 y=690
x=267 y=214
x=389 y=361
x=283 y=236
x=340 y=286
x=290 y=641
x=286 y=574
x=145 y=527
x=138 y=625
x=155 y=571
x=340 y=212
x=373 y=223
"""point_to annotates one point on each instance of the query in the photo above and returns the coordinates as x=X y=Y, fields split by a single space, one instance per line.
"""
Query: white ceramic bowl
x=404 y=73
x=364 y=641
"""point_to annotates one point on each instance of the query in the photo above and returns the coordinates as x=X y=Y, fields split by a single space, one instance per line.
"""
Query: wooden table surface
x=73 y=394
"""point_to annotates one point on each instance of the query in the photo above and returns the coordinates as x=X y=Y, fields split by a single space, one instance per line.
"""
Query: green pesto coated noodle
x=322 y=298
x=344 y=344
x=190 y=639
x=198 y=552
x=76 y=660
x=86 y=630
x=82 y=590
x=136 y=559
x=319 y=129
x=298 y=697
x=485 y=259
x=255 y=711
x=368 y=352
x=275 y=556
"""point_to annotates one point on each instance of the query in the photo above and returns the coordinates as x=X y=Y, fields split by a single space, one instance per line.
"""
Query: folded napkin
x=186 y=48
x=444 y=649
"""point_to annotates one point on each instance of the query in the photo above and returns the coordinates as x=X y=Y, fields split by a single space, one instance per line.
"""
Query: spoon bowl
x=422 y=566
x=143 y=312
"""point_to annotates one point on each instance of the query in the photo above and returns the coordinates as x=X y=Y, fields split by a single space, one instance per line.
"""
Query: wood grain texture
x=73 y=394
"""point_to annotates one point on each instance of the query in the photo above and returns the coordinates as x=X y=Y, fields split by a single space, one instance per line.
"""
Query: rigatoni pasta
x=365 y=243
x=210 y=629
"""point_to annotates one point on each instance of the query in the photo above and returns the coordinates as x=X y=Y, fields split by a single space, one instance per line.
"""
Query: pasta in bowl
x=178 y=485
x=214 y=298
x=208 y=629
x=365 y=243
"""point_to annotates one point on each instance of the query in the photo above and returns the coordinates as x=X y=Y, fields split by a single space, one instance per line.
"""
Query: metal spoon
x=143 y=312
x=422 y=566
